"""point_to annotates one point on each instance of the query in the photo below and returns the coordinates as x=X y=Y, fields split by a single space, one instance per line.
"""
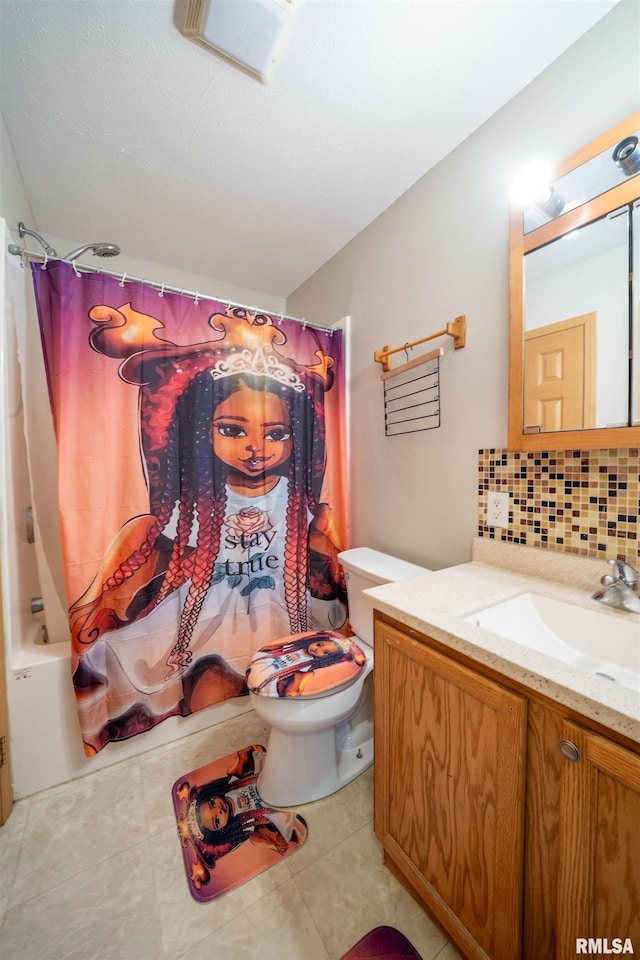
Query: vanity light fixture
x=249 y=33
x=549 y=203
x=532 y=189
x=626 y=156
x=531 y=182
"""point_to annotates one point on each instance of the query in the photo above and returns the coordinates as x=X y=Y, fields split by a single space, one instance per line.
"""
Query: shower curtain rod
x=165 y=287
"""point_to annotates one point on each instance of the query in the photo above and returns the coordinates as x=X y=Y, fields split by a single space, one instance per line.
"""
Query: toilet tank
x=365 y=568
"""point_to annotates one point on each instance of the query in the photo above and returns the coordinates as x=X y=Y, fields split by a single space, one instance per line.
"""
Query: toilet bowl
x=319 y=742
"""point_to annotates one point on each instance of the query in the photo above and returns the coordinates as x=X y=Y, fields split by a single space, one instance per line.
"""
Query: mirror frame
x=521 y=244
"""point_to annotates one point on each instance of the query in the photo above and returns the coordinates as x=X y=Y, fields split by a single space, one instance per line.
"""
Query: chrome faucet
x=620 y=588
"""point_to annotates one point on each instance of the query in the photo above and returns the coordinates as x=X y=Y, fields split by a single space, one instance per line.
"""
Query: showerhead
x=24 y=232
x=97 y=249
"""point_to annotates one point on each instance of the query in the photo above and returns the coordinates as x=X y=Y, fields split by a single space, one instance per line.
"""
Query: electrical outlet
x=497 y=508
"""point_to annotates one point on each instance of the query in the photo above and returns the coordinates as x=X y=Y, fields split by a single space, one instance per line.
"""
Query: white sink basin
x=596 y=642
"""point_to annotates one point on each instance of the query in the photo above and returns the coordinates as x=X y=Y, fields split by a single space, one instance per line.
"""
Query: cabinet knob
x=569 y=750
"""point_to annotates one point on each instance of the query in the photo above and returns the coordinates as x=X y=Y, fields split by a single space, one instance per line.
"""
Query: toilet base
x=301 y=767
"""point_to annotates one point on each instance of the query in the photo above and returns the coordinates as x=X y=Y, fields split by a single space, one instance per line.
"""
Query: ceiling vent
x=249 y=33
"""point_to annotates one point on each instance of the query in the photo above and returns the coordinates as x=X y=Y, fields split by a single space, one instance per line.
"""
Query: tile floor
x=93 y=869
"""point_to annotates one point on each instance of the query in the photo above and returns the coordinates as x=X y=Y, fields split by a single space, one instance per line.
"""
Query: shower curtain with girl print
x=202 y=491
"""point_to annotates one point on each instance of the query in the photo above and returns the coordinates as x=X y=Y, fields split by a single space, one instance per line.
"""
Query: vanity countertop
x=437 y=604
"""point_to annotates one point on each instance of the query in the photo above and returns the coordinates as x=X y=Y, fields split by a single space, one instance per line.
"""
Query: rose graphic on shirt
x=248 y=521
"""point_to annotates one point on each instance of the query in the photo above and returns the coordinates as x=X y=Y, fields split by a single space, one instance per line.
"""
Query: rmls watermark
x=602 y=945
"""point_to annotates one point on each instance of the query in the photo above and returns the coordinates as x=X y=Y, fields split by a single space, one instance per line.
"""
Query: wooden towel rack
x=456 y=329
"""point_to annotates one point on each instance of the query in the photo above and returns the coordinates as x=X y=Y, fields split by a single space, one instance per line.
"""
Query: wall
x=14 y=204
x=442 y=250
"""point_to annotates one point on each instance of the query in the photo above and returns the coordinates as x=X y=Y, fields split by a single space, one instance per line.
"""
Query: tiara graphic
x=258 y=362
x=191 y=820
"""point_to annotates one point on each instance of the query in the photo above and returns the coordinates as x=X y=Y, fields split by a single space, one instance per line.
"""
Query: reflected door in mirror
x=559 y=375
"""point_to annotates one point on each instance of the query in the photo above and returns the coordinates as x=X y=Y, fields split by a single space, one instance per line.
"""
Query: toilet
x=321 y=740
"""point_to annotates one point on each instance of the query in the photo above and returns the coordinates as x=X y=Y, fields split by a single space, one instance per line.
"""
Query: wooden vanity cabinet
x=449 y=790
x=582 y=850
x=516 y=847
x=599 y=858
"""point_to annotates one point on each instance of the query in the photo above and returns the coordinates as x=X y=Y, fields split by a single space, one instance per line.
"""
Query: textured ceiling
x=126 y=131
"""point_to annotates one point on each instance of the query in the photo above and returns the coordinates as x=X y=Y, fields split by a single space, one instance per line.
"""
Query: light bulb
x=532 y=183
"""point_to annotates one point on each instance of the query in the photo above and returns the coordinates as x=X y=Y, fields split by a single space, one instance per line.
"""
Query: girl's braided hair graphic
x=180 y=388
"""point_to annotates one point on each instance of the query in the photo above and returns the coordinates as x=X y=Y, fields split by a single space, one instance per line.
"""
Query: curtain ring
x=406 y=351
x=122 y=280
x=75 y=269
x=195 y=299
x=161 y=290
x=43 y=265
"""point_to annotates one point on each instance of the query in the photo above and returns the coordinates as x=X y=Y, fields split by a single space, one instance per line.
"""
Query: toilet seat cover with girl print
x=310 y=664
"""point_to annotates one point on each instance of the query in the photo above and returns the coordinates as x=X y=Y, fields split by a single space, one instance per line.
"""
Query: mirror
x=573 y=368
x=576 y=329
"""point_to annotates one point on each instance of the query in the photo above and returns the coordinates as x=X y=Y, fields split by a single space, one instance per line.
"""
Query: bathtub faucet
x=37 y=605
x=620 y=588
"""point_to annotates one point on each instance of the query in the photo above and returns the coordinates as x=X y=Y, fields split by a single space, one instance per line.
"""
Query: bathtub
x=45 y=741
x=45 y=745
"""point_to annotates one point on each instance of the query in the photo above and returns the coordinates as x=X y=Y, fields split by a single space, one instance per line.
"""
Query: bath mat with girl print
x=227 y=833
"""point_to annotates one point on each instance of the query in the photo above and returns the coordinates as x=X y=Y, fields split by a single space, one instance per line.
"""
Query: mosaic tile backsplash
x=575 y=501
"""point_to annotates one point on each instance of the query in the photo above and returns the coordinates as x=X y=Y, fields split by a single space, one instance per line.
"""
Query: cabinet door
x=542 y=811
x=599 y=854
x=449 y=790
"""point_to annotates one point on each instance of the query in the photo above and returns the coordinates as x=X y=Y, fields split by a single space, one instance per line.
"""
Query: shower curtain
x=202 y=491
